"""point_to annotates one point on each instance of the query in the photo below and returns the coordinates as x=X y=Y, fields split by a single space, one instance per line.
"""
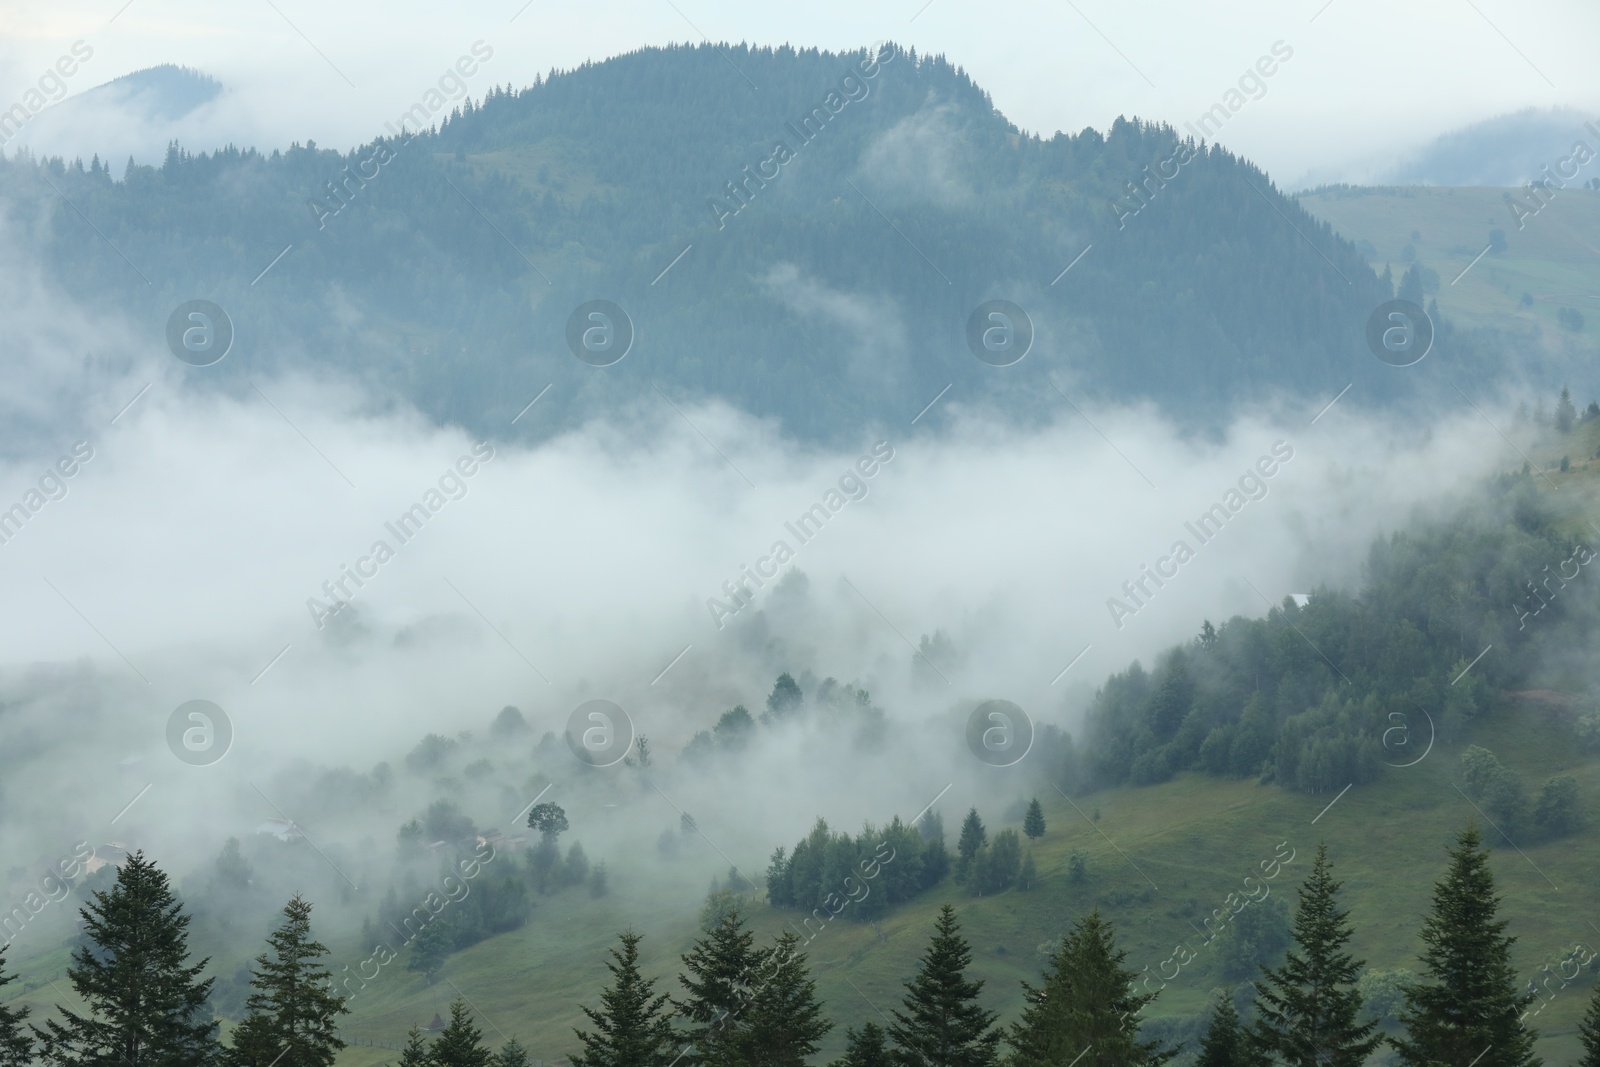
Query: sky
x=1365 y=78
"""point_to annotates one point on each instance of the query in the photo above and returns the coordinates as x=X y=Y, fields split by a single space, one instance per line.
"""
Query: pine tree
x=16 y=1044
x=632 y=1028
x=943 y=1024
x=1467 y=1000
x=1087 y=1006
x=1225 y=1043
x=147 y=1006
x=461 y=1043
x=416 y=1053
x=1033 y=822
x=973 y=837
x=290 y=1015
x=1566 y=414
x=720 y=966
x=1306 y=1016
x=1588 y=1032
x=512 y=1054
x=785 y=1019
x=865 y=1048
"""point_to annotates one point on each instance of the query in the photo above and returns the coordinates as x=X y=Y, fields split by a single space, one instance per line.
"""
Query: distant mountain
x=807 y=235
x=1508 y=150
x=136 y=115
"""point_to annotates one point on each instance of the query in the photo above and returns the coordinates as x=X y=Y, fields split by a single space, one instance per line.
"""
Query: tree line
x=1322 y=693
x=743 y=1005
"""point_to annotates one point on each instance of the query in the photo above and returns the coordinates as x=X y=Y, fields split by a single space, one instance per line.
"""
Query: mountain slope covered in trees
x=823 y=283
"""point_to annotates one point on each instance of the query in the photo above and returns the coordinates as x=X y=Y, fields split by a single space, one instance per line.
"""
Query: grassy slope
x=1195 y=838
x=1555 y=257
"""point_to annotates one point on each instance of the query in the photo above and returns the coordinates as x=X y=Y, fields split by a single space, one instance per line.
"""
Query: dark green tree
x=1028 y=877
x=973 y=837
x=867 y=1047
x=632 y=1027
x=416 y=1052
x=784 y=698
x=943 y=1024
x=720 y=967
x=1033 y=822
x=549 y=819
x=147 y=1003
x=1086 y=1007
x=460 y=1044
x=1557 y=813
x=16 y=1043
x=430 y=948
x=511 y=1054
x=1588 y=1032
x=1225 y=1043
x=1308 y=1013
x=291 y=1013
x=785 y=1019
x=1467 y=1001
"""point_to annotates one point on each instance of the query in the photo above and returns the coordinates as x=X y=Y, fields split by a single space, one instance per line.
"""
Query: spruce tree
x=460 y=1044
x=866 y=1047
x=1225 y=1043
x=1087 y=1006
x=1467 y=1000
x=631 y=1026
x=512 y=1054
x=1307 y=1014
x=1588 y=1032
x=973 y=837
x=416 y=1053
x=720 y=967
x=943 y=1024
x=785 y=1021
x=147 y=1005
x=1033 y=822
x=16 y=1043
x=291 y=1014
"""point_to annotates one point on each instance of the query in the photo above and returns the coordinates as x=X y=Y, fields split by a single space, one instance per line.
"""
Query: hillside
x=443 y=268
x=1195 y=838
x=1521 y=289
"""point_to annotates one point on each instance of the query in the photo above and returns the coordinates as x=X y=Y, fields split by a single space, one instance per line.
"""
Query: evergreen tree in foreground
x=147 y=1005
x=415 y=1054
x=631 y=1029
x=943 y=1024
x=512 y=1054
x=460 y=1044
x=720 y=965
x=16 y=1044
x=1307 y=1014
x=785 y=1020
x=1588 y=1033
x=866 y=1047
x=1087 y=1007
x=291 y=1013
x=1467 y=1001
x=1225 y=1043
x=1033 y=822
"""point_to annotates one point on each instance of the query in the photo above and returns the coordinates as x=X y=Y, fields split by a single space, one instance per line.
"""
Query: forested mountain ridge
x=835 y=289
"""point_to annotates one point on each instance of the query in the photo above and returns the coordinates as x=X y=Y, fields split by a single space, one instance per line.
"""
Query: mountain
x=135 y=115
x=806 y=235
x=1507 y=150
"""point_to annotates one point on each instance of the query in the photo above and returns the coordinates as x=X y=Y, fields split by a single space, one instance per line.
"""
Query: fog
x=186 y=554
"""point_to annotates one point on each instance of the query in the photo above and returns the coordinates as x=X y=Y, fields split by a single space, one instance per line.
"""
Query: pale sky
x=1367 y=77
